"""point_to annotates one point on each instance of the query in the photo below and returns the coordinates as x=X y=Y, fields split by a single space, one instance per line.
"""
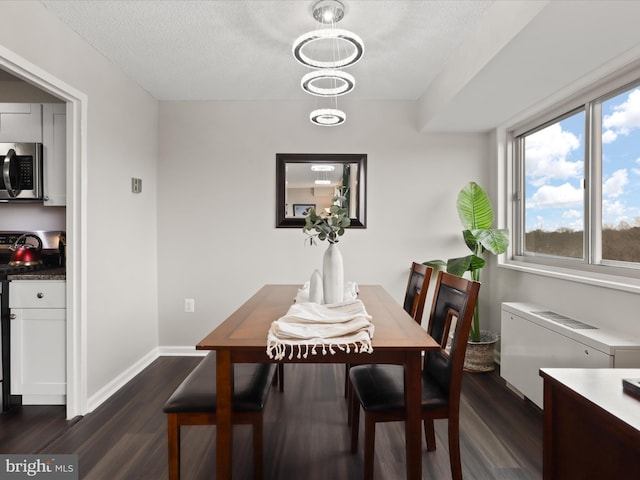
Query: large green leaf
x=474 y=207
x=471 y=241
x=435 y=264
x=493 y=239
x=458 y=266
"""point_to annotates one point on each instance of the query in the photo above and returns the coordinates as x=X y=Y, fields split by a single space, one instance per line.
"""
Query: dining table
x=242 y=338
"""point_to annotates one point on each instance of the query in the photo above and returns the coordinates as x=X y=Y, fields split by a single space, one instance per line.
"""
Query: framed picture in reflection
x=302 y=209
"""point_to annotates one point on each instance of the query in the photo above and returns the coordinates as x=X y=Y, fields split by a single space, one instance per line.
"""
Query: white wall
x=122 y=142
x=216 y=203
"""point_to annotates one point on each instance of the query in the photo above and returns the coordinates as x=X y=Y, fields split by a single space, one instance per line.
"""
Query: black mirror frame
x=282 y=221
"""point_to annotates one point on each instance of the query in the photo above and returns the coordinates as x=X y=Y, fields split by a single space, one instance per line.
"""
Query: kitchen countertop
x=50 y=274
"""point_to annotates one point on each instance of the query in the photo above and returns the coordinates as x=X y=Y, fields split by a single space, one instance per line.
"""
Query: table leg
x=413 y=401
x=224 y=440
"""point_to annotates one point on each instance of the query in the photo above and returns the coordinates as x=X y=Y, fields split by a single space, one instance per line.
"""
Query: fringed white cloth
x=350 y=292
x=311 y=328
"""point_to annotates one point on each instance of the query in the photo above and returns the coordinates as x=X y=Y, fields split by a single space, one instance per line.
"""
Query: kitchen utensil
x=26 y=253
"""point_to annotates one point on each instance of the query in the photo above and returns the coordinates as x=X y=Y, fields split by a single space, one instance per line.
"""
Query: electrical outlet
x=189 y=305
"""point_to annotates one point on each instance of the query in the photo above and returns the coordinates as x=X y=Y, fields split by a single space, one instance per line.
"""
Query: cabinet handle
x=586 y=352
x=40 y=295
x=12 y=316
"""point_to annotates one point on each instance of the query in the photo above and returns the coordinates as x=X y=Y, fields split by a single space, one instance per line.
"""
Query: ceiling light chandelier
x=327 y=50
x=322 y=173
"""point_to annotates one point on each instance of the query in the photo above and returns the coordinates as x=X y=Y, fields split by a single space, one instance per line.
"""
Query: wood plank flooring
x=306 y=435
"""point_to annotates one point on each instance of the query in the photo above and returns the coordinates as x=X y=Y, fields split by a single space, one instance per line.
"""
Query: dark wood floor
x=305 y=432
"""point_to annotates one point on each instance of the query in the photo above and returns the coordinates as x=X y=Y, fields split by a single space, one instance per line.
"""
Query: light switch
x=136 y=185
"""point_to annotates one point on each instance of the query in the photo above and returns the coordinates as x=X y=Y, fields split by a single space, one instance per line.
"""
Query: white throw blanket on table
x=308 y=326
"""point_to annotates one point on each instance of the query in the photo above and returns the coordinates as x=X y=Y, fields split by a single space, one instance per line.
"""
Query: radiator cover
x=534 y=337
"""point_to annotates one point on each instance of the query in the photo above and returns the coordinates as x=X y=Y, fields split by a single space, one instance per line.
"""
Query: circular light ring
x=323 y=35
x=327 y=117
x=344 y=82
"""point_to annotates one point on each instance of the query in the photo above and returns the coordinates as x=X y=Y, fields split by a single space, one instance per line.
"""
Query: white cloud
x=635 y=171
x=572 y=214
x=609 y=136
x=613 y=186
x=546 y=155
x=625 y=116
x=613 y=209
x=564 y=195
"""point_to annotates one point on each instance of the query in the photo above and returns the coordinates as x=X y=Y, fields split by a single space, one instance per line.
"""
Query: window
x=577 y=185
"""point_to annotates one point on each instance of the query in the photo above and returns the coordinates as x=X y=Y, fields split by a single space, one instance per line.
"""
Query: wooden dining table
x=242 y=338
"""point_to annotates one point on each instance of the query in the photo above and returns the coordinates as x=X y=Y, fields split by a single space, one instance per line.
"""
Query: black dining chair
x=414 y=299
x=379 y=389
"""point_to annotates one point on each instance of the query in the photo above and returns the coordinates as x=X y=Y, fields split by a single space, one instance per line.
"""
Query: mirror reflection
x=306 y=181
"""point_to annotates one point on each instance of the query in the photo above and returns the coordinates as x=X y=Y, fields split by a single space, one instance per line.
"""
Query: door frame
x=76 y=224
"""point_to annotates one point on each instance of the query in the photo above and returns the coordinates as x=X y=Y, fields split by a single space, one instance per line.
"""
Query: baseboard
x=121 y=380
x=180 y=351
x=117 y=383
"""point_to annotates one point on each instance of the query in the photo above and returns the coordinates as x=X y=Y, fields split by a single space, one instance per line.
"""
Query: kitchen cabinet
x=46 y=124
x=20 y=122
x=38 y=341
x=54 y=139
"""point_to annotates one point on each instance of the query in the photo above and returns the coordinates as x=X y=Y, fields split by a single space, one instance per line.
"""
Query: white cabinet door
x=54 y=139
x=20 y=122
x=38 y=367
x=527 y=347
x=38 y=341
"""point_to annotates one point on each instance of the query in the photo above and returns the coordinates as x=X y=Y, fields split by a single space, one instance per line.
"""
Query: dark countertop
x=51 y=274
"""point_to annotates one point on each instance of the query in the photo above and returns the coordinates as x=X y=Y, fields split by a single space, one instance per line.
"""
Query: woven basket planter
x=479 y=356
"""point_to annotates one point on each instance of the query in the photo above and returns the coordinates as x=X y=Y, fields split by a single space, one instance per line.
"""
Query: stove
x=6 y=270
x=52 y=251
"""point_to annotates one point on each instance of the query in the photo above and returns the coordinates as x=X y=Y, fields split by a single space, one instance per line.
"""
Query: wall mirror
x=307 y=180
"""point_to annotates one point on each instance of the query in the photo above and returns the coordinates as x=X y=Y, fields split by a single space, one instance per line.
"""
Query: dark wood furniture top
x=591 y=426
x=242 y=338
x=247 y=327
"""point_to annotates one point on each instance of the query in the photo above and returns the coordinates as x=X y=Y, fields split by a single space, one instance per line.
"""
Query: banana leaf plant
x=476 y=215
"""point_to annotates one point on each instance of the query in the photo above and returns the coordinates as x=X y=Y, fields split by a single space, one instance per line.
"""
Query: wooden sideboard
x=591 y=426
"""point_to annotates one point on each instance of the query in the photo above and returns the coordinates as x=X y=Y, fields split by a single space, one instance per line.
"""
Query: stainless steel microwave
x=21 y=165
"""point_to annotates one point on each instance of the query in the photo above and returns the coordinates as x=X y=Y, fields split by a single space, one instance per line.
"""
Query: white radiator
x=535 y=337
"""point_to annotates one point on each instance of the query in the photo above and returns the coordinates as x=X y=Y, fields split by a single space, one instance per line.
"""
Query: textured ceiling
x=241 y=50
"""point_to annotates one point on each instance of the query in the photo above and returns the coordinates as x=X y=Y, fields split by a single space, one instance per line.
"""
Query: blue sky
x=555 y=168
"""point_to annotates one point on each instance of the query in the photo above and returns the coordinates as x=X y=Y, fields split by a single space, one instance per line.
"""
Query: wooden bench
x=194 y=403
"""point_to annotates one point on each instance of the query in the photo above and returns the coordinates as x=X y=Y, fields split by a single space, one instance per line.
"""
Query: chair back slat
x=449 y=324
x=416 y=292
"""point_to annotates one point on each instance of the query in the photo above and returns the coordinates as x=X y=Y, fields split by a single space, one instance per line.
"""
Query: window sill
x=615 y=282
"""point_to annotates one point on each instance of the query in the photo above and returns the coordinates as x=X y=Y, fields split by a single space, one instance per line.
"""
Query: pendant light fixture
x=327 y=50
x=328 y=82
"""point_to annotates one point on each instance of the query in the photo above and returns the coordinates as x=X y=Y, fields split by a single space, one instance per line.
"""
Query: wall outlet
x=189 y=305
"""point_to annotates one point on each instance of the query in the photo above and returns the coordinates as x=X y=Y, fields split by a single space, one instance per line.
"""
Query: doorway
x=76 y=118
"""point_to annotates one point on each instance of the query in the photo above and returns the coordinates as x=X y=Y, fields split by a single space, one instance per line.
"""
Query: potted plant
x=476 y=215
x=330 y=226
x=327 y=226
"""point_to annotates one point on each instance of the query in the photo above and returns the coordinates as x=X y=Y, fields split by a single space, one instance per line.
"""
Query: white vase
x=315 y=287
x=332 y=275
